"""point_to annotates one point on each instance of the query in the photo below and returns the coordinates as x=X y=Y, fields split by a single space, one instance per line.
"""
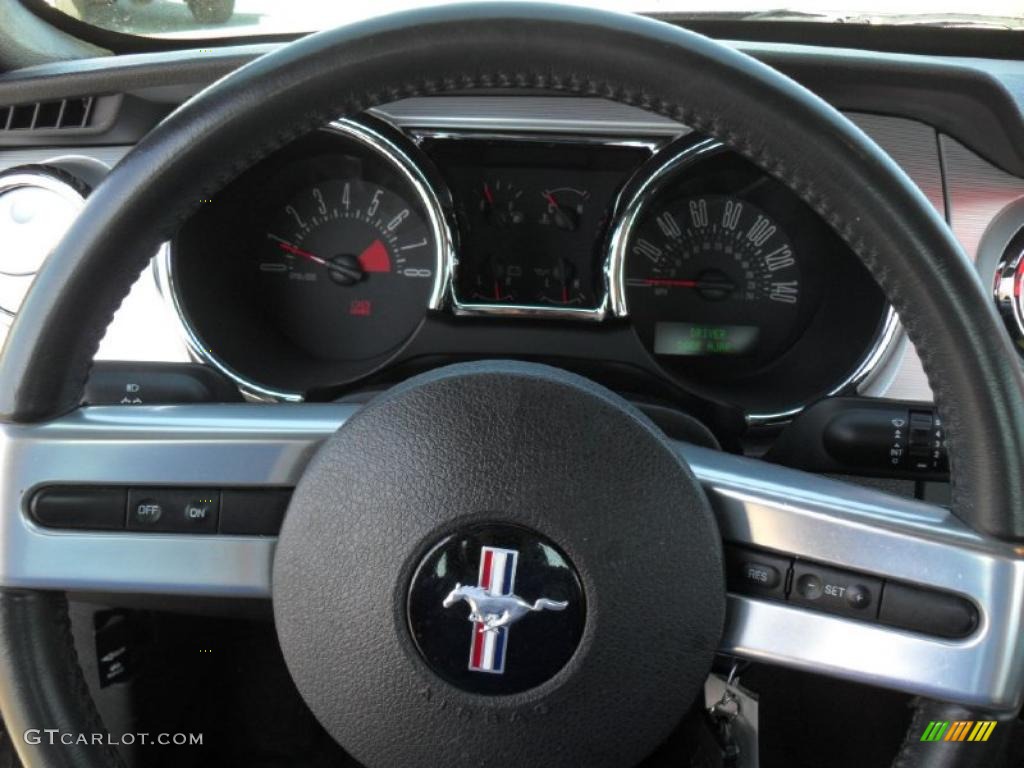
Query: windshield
x=218 y=18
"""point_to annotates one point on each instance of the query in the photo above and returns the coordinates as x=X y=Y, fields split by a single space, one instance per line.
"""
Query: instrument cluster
x=532 y=218
x=360 y=254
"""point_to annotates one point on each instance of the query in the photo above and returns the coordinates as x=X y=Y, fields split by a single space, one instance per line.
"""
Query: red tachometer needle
x=284 y=245
x=374 y=257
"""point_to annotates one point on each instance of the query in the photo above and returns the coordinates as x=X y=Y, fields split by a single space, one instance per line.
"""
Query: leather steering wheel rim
x=758 y=112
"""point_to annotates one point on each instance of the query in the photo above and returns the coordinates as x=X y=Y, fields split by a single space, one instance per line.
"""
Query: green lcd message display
x=690 y=339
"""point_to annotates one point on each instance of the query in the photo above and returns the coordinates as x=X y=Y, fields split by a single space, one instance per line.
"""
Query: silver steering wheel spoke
x=799 y=515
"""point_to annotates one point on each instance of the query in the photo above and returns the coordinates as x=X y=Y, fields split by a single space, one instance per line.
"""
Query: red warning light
x=360 y=308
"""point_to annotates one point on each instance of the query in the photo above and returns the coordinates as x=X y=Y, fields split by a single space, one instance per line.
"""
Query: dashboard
x=573 y=231
x=363 y=252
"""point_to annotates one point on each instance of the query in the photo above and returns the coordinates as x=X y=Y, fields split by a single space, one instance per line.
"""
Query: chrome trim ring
x=639 y=196
x=1008 y=289
x=163 y=272
x=438 y=218
x=37 y=178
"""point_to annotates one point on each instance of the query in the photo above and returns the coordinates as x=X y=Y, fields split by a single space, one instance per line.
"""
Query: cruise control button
x=174 y=510
x=835 y=590
x=808 y=586
x=761 y=574
x=200 y=513
x=756 y=573
x=145 y=512
x=858 y=596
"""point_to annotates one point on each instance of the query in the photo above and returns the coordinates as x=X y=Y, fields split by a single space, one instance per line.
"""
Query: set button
x=834 y=590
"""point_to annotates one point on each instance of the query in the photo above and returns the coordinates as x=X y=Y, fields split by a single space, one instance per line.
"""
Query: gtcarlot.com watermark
x=54 y=736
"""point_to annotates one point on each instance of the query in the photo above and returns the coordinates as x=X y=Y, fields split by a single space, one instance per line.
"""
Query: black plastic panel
x=829 y=589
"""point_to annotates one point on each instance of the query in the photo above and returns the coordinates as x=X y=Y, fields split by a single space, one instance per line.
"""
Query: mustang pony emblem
x=493 y=608
x=497 y=611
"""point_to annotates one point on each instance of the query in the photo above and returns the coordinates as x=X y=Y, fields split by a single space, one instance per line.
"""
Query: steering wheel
x=618 y=530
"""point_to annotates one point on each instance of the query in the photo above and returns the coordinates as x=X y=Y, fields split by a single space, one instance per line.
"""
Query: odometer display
x=688 y=339
x=713 y=275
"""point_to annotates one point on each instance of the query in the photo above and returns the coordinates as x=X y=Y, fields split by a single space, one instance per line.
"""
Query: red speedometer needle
x=672 y=283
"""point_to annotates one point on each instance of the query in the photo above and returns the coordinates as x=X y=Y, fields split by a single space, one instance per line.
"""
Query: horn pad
x=616 y=592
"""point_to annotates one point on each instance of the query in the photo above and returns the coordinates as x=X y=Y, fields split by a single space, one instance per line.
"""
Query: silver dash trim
x=755 y=503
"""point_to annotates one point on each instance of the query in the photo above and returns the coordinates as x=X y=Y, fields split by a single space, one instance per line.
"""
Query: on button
x=200 y=513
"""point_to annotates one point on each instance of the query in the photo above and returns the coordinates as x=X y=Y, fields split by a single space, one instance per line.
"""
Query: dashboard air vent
x=47 y=115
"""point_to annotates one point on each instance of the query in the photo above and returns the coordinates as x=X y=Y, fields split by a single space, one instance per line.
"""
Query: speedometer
x=737 y=289
x=713 y=275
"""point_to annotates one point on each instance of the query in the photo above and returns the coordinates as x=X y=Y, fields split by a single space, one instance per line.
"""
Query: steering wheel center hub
x=496 y=609
x=500 y=563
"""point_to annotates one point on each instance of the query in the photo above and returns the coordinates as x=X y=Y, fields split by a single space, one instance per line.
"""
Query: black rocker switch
x=114 y=383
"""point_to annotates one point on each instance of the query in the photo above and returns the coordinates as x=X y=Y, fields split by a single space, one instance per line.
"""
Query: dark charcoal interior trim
x=978 y=102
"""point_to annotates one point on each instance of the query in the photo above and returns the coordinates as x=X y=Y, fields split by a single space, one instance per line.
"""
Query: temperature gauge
x=560 y=284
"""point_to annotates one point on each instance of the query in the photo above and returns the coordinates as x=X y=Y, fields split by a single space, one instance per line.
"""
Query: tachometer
x=315 y=266
x=347 y=264
x=713 y=275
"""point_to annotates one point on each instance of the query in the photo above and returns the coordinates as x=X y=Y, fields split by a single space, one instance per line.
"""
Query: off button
x=145 y=513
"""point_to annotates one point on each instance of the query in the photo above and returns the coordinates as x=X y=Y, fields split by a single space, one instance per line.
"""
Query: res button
x=756 y=573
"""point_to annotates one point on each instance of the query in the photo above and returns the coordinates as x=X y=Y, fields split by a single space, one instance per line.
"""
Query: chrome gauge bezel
x=640 y=193
x=437 y=210
x=38 y=178
x=1008 y=289
x=595 y=314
